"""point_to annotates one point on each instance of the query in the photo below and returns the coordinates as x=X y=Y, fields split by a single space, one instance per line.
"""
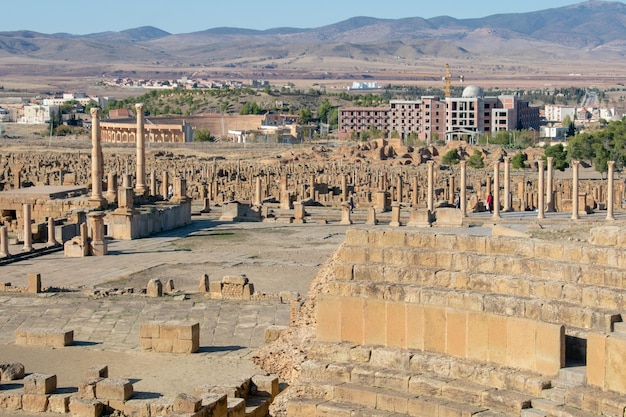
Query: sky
x=185 y=16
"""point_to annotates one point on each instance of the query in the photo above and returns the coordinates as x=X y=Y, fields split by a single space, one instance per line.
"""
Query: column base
x=97 y=202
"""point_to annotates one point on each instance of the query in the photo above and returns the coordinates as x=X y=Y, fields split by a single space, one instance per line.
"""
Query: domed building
x=473 y=91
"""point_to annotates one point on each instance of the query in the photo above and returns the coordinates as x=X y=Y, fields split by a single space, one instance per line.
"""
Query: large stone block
x=521 y=343
x=34 y=403
x=414 y=326
x=40 y=384
x=185 y=403
x=114 y=389
x=80 y=407
x=375 y=320
x=328 y=313
x=456 y=333
x=477 y=336
x=615 y=359
x=356 y=394
x=596 y=359
x=352 y=320
x=396 y=325
x=550 y=348
x=434 y=329
x=497 y=339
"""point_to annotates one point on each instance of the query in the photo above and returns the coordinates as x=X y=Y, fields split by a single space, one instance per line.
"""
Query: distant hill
x=589 y=30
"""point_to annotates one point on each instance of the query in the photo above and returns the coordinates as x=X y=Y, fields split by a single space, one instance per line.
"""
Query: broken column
x=4 y=242
x=507 y=184
x=549 y=185
x=431 y=187
x=395 y=214
x=52 y=241
x=463 y=191
x=98 y=243
x=111 y=195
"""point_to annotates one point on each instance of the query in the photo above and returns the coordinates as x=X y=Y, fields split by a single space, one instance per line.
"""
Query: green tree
x=476 y=160
x=519 y=160
x=203 y=135
x=451 y=157
x=559 y=154
x=305 y=115
x=324 y=111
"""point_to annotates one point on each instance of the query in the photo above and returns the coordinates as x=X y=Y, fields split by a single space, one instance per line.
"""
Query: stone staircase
x=385 y=281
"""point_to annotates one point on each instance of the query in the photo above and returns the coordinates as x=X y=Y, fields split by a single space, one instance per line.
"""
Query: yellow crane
x=446 y=78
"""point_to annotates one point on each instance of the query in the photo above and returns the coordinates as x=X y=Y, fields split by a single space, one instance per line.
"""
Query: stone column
x=575 y=165
x=451 y=190
x=431 y=186
x=111 y=187
x=496 y=190
x=344 y=188
x=4 y=242
x=507 y=184
x=52 y=241
x=399 y=190
x=98 y=243
x=415 y=194
x=28 y=238
x=540 y=191
x=96 y=200
x=395 y=214
x=549 y=185
x=345 y=214
x=140 y=186
x=610 y=192
x=164 y=184
x=257 y=192
x=312 y=187
x=463 y=191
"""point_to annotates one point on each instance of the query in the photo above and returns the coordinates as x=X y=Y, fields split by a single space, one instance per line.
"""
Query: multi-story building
x=555 y=113
x=354 y=120
x=34 y=114
x=455 y=118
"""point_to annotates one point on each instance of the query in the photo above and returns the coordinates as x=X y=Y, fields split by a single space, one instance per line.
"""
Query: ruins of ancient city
x=424 y=301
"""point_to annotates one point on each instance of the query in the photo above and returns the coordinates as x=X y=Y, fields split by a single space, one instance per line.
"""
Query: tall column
x=257 y=192
x=507 y=183
x=4 y=242
x=96 y=199
x=28 y=238
x=52 y=241
x=312 y=187
x=344 y=188
x=165 y=184
x=549 y=185
x=431 y=186
x=575 y=165
x=463 y=191
x=415 y=194
x=540 y=191
x=610 y=193
x=496 y=190
x=153 y=184
x=140 y=187
x=111 y=195
x=451 y=190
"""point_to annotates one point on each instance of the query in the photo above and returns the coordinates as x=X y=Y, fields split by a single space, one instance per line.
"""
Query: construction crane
x=447 y=81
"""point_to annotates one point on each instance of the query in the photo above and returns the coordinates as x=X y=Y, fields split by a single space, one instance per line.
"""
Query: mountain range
x=592 y=30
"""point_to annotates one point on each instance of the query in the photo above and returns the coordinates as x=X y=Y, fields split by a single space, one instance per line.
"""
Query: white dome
x=473 y=91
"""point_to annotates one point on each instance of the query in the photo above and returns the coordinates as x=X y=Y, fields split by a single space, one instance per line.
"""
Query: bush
x=519 y=161
x=203 y=135
x=451 y=158
x=476 y=160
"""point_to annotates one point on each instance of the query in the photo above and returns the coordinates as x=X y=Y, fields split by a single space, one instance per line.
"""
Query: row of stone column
x=27 y=232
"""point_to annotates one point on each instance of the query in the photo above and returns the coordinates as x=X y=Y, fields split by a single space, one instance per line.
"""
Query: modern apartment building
x=452 y=118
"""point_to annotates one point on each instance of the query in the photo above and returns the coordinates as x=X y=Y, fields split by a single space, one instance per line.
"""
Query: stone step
x=619 y=327
x=531 y=412
x=556 y=395
x=257 y=406
x=572 y=376
x=426 y=372
x=547 y=406
x=573 y=315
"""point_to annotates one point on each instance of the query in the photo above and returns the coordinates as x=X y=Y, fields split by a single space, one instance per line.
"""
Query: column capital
x=610 y=163
x=463 y=163
x=575 y=163
x=507 y=159
x=95 y=111
x=550 y=158
x=430 y=162
x=139 y=106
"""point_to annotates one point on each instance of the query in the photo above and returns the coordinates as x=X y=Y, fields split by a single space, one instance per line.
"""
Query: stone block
x=97 y=371
x=465 y=392
x=87 y=388
x=328 y=324
x=302 y=407
x=185 y=403
x=448 y=217
x=615 y=359
x=214 y=404
x=80 y=407
x=456 y=333
x=375 y=318
x=154 y=288
x=427 y=385
x=34 y=283
x=272 y=333
x=352 y=319
x=435 y=322
x=215 y=289
x=477 y=336
x=34 y=403
x=10 y=401
x=185 y=346
x=414 y=326
x=596 y=359
x=114 y=389
x=236 y=407
x=520 y=343
x=40 y=384
x=265 y=385
x=396 y=324
x=394 y=402
x=549 y=348
x=356 y=394
x=497 y=339
x=423 y=407
x=11 y=371
x=59 y=403
x=137 y=408
x=150 y=329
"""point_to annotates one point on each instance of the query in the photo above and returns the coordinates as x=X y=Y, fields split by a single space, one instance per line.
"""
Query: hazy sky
x=184 y=16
